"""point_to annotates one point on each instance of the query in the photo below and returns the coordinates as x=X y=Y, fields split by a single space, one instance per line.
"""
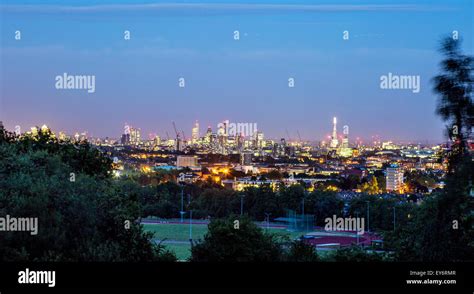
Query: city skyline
x=335 y=137
x=245 y=80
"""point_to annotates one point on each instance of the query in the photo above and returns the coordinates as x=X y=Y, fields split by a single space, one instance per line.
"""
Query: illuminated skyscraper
x=131 y=136
x=334 y=141
x=125 y=139
x=344 y=150
x=345 y=139
x=259 y=140
x=208 y=136
x=195 y=133
x=226 y=127
x=126 y=130
x=222 y=133
x=282 y=147
x=135 y=136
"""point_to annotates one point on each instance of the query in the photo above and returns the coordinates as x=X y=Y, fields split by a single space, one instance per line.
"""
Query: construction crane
x=176 y=131
x=177 y=136
x=298 y=132
x=184 y=137
x=288 y=134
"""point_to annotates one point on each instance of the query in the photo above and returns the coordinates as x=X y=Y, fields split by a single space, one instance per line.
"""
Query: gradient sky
x=243 y=81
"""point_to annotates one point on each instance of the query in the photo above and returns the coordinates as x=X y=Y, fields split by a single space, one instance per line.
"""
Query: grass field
x=175 y=237
x=175 y=232
x=182 y=251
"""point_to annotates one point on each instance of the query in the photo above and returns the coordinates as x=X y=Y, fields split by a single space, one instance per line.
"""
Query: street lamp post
x=357 y=233
x=268 y=219
x=302 y=211
x=394 y=218
x=182 y=204
x=191 y=227
x=242 y=204
x=302 y=207
x=368 y=217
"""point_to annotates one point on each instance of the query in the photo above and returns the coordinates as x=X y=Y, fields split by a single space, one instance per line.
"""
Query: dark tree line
x=83 y=215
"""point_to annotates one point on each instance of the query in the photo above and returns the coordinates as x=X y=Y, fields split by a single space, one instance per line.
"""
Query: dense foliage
x=82 y=214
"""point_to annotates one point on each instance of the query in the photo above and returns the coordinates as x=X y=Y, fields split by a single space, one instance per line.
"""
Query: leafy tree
x=349 y=183
x=454 y=89
x=356 y=254
x=370 y=187
x=442 y=229
x=324 y=205
x=331 y=185
x=261 y=200
x=381 y=181
x=85 y=218
x=300 y=251
x=224 y=242
x=216 y=203
x=418 y=181
x=274 y=175
x=381 y=211
x=291 y=197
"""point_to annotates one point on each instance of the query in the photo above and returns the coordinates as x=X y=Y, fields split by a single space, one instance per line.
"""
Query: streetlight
x=302 y=204
x=190 y=220
x=191 y=227
x=394 y=218
x=368 y=217
x=302 y=210
x=182 y=212
x=242 y=204
x=268 y=219
x=357 y=233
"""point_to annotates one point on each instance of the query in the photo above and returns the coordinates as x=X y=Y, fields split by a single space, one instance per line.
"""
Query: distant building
x=157 y=140
x=344 y=150
x=258 y=140
x=195 y=133
x=246 y=158
x=334 y=141
x=186 y=161
x=135 y=136
x=394 y=179
x=389 y=146
x=62 y=136
x=208 y=136
x=125 y=139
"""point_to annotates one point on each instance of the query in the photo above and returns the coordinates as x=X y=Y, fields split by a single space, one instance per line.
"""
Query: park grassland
x=175 y=237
